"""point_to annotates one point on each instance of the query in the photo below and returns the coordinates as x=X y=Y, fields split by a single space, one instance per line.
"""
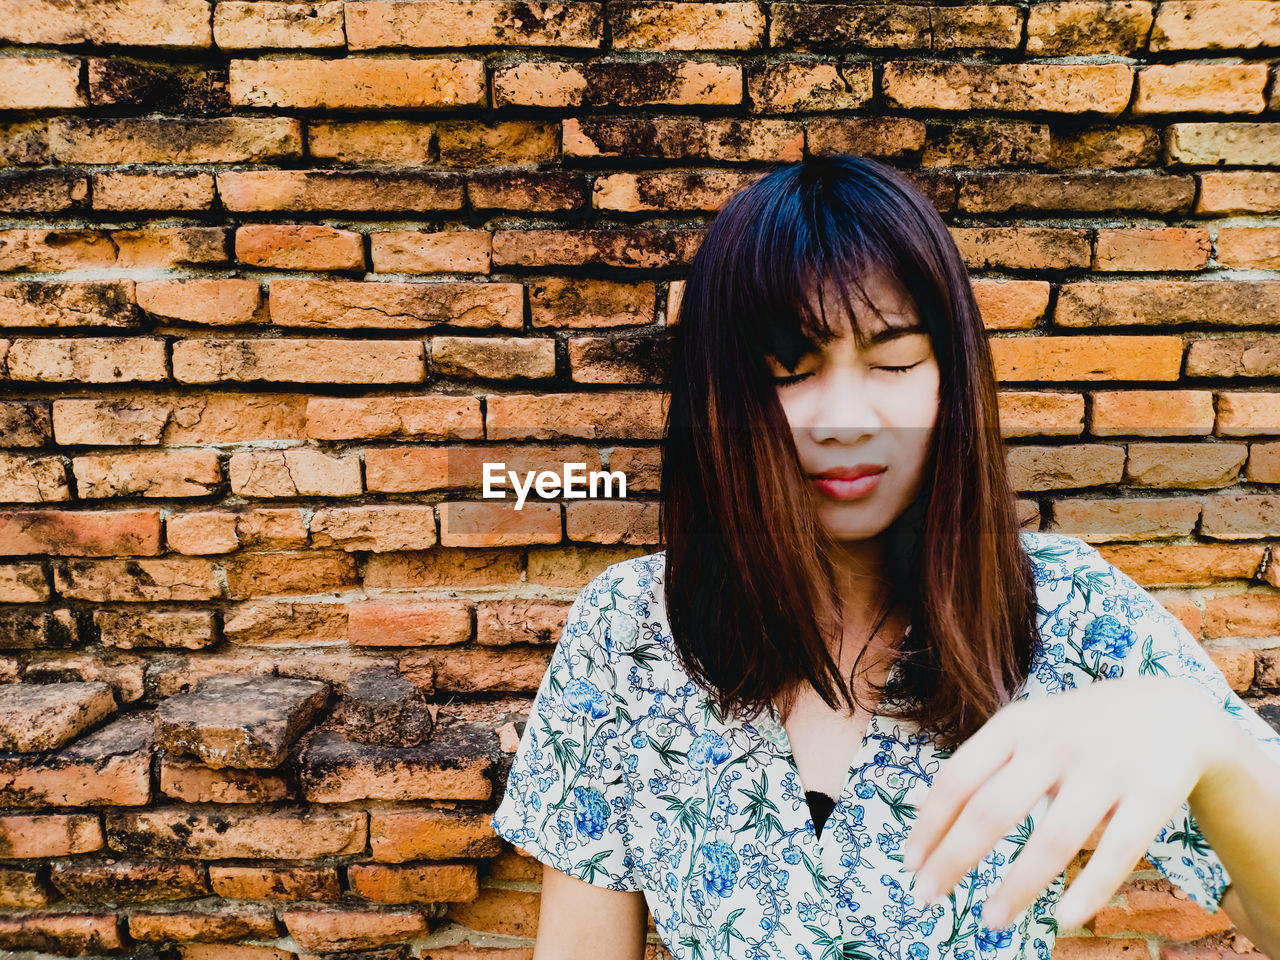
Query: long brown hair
x=749 y=570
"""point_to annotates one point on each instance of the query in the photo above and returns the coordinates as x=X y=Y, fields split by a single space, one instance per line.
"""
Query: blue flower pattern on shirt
x=627 y=777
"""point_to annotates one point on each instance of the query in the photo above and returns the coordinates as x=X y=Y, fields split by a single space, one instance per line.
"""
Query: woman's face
x=866 y=411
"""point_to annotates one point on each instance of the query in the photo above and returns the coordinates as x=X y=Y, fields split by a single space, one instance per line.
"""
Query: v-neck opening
x=871 y=732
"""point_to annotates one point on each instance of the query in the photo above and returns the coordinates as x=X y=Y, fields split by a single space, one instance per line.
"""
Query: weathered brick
x=43 y=249
x=443 y=566
x=1257 y=247
x=267 y=622
x=1235 y=143
x=24 y=887
x=1086 y=358
x=177 y=420
x=1054 y=87
x=88 y=303
x=152 y=473
x=605 y=522
x=96 y=881
x=996 y=26
x=454 y=764
x=166 y=87
x=275 y=574
x=1132 y=302
x=395 y=305
x=271 y=882
x=1109 y=145
x=1149 y=519
x=1216 y=25
x=144 y=579
x=296 y=360
x=131 y=629
x=550 y=191
x=222 y=531
x=72 y=934
x=802 y=87
x=408 y=623
x=1239 y=191
x=300 y=472
x=1066 y=467
x=37 y=629
x=1043 y=248
x=415 y=883
x=88 y=360
x=1151 y=907
x=684 y=138
x=1101 y=192
x=1011 y=304
x=1245 y=356
x=299 y=247
x=633 y=247
x=417 y=251
x=215 y=302
x=829 y=26
x=224 y=923
x=380 y=707
x=449 y=23
x=28 y=479
x=123 y=672
x=248 y=24
x=25 y=423
x=432 y=417
x=357 y=83
x=1264 y=462
x=498 y=524
x=631 y=416
x=1088 y=27
x=1187 y=465
x=334 y=928
x=187 y=779
x=493 y=358
x=173 y=24
x=1151 y=412
x=506 y=622
x=377 y=528
x=429 y=833
x=206 y=833
x=49 y=834
x=23 y=583
x=675 y=25
x=1201 y=88
x=1244 y=413
x=80 y=533
x=40 y=83
x=499 y=910
x=1240 y=516
x=987 y=143
x=46 y=716
x=141 y=191
x=374 y=141
x=109 y=767
x=232 y=720
x=174 y=140
x=465 y=670
x=351 y=190
x=1156 y=248
x=617 y=84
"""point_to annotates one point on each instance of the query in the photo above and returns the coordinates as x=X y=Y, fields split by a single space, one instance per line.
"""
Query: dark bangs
x=750 y=588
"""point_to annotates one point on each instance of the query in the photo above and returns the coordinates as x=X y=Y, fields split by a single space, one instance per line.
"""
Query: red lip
x=850 y=473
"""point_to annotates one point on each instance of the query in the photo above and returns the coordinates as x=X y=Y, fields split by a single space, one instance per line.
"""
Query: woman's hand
x=1129 y=749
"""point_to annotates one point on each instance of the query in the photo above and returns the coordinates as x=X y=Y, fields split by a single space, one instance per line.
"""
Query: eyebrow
x=892 y=333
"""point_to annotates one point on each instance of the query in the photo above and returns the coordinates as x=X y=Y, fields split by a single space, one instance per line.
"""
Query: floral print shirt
x=626 y=777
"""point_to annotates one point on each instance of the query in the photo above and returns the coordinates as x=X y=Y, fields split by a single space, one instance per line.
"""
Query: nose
x=843 y=408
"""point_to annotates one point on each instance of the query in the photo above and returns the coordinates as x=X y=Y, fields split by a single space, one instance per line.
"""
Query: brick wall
x=278 y=278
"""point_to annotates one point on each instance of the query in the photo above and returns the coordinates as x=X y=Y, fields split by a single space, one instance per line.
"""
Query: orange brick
x=1027 y=413
x=1063 y=88
x=352 y=928
x=499 y=910
x=165 y=23
x=1035 y=248
x=247 y=24
x=94 y=303
x=1088 y=27
x=619 y=84
x=1065 y=467
x=1151 y=413
x=174 y=140
x=80 y=533
x=675 y=25
x=1257 y=247
x=1129 y=302
x=353 y=190
x=357 y=83
x=408 y=623
x=140 y=191
x=414 y=883
x=40 y=83
x=379 y=528
x=1188 y=465
x=276 y=574
x=1239 y=191
x=448 y=251
x=1216 y=25
x=498 y=524
x=394 y=23
x=295 y=360
x=214 y=302
x=268 y=882
x=429 y=833
x=1103 y=520
x=1162 y=248
x=1201 y=88
x=1011 y=304
x=299 y=247
x=796 y=87
x=1086 y=358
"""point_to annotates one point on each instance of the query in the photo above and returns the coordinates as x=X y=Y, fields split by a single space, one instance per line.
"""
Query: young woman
x=851 y=710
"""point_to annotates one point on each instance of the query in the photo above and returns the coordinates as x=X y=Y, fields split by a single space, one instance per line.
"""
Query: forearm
x=1237 y=805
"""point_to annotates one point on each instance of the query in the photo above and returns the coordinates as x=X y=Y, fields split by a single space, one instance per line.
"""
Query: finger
x=968 y=768
x=1126 y=838
x=1077 y=809
x=1000 y=804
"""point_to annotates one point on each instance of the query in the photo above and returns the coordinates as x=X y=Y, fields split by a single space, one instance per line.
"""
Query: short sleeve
x=566 y=798
x=1133 y=634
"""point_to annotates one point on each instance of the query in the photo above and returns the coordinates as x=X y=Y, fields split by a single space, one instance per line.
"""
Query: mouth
x=848 y=483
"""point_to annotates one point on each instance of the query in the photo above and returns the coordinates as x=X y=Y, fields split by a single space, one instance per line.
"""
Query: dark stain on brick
x=190 y=89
